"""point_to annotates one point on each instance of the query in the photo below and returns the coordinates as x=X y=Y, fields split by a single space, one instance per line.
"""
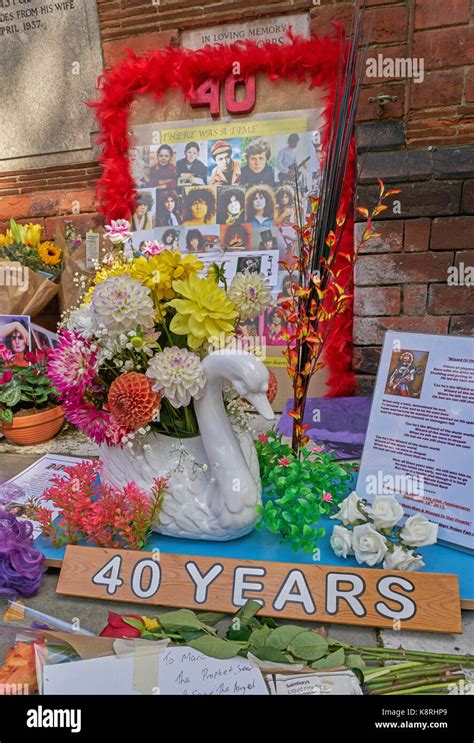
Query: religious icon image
x=406 y=373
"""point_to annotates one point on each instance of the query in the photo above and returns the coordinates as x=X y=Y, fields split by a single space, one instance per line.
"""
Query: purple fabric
x=21 y=565
x=10 y=492
x=341 y=427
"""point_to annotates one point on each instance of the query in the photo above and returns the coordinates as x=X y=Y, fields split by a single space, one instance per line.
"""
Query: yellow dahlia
x=153 y=275
x=49 y=253
x=178 y=266
x=203 y=313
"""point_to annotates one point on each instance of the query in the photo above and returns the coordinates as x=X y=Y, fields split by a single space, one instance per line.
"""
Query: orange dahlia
x=132 y=402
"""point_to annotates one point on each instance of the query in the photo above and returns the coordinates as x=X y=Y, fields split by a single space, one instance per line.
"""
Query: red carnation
x=131 y=400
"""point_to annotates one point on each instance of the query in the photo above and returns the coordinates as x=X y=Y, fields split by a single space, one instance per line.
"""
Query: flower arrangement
x=129 y=359
x=24 y=388
x=85 y=510
x=371 y=533
x=23 y=243
x=298 y=649
x=298 y=490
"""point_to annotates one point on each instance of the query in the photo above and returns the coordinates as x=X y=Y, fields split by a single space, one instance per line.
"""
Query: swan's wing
x=250 y=454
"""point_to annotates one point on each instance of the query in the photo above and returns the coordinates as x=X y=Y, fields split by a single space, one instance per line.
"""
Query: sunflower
x=204 y=312
x=49 y=253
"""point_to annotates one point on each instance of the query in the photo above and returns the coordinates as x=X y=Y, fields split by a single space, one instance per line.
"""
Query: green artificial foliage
x=28 y=388
x=298 y=490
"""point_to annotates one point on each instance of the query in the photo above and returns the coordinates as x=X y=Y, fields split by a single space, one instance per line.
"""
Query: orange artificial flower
x=19 y=669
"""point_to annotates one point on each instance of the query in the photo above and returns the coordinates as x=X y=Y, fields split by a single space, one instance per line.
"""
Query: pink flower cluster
x=72 y=368
x=97 y=513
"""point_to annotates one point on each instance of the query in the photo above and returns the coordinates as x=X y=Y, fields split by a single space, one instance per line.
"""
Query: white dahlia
x=250 y=292
x=177 y=374
x=82 y=321
x=120 y=303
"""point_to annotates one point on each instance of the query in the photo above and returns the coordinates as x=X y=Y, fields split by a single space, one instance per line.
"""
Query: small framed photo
x=15 y=334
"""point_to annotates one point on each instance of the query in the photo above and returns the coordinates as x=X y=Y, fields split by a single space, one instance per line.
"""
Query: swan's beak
x=260 y=402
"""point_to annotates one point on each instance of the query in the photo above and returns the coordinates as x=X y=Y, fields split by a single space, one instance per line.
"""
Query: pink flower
x=5 y=353
x=284 y=462
x=317 y=448
x=327 y=497
x=6 y=377
x=263 y=438
x=115 y=432
x=72 y=366
x=118 y=230
x=95 y=423
x=152 y=247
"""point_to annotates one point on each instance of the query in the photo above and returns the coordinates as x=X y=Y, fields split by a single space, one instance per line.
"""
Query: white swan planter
x=214 y=479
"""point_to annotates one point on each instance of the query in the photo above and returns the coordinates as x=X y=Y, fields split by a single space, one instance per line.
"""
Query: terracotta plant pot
x=36 y=428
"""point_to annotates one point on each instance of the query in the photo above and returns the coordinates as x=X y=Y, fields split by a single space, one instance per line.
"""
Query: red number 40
x=208 y=94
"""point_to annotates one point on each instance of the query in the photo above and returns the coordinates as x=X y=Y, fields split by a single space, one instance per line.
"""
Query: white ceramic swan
x=214 y=481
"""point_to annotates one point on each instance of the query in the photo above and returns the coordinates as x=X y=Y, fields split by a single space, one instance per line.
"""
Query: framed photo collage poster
x=226 y=191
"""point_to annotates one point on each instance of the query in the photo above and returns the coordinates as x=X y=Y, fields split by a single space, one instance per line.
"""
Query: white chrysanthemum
x=121 y=303
x=82 y=321
x=178 y=375
x=250 y=292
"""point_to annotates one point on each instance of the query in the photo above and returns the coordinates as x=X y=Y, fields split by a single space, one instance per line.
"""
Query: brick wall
x=423 y=143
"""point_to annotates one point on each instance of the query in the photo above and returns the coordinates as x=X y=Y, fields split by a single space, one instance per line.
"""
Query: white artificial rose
x=385 y=511
x=341 y=541
x=419 y=532
x=348 y=510
x=369 y=546
x=401 y=559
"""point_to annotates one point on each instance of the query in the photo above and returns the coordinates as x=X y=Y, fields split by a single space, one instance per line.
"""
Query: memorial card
x=419 y=444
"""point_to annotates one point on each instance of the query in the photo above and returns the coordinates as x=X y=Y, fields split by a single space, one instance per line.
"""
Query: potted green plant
x=29 y=413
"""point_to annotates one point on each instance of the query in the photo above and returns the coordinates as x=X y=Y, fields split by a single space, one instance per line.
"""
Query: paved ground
x=93 y=614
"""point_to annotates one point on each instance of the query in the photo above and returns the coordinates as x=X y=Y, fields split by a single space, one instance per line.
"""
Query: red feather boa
x=313 y=61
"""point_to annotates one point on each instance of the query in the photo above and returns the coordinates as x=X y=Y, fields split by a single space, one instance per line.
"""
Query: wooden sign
x=367 y=597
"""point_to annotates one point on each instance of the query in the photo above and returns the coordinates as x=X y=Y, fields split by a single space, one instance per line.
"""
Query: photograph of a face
x=15 y=335
x=42 y=339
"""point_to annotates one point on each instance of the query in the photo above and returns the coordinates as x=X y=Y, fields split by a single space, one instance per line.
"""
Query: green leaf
x=258 y=637
x=333 y=660
x=354 y=661
x=273 y=655
x=308 y=645
x=242 y=634
x=215 y=647
x=210 y=617
x=248 y=610
x=182 y=619
x=6 y=415
x=192 y=634
x=151 y=636
x=134 y=623
x=11 y=396
x=281 y=637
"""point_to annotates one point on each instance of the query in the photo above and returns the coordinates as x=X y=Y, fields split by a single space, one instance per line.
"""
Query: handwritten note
x=187 y=672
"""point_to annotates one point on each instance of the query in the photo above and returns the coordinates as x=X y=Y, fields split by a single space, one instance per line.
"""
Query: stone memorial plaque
x=50 y=57
x=272 y=29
